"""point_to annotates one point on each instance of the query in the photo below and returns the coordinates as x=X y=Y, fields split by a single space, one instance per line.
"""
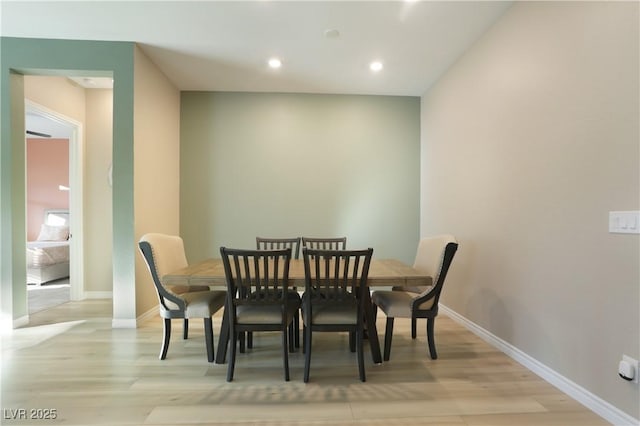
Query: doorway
x=49 y=123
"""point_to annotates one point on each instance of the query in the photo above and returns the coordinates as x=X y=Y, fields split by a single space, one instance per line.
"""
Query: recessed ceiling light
x=275 y=63
x=332 y=33
x=375 y=66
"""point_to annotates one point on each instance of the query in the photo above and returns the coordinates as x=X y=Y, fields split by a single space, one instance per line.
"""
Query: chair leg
x=165 y=338
x=304 y=338
x=185 y=331
x=360 y=345
x=241 y=338
x=290 y=330
x=307 y=352
x=430 y=339
x=208 y=337
x=414 y=325
x=285 y=351
x=352 y=341
x=296 y=329
x=249 y=340
x=388 y=335
x=223 y=341
x=233 y=336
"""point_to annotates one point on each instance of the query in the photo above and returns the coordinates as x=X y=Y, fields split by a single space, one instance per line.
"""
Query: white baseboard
x=577 y=392
x=123 y=323
x=20 y=322
x=98 y=295
x=133 y=323
x=151 y=313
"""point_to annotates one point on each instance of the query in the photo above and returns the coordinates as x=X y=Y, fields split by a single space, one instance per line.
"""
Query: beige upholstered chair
x=179 y=289
x=163 y=254
x=179 y=262
x=433 y=258
x=258 y=297
x=335 y=286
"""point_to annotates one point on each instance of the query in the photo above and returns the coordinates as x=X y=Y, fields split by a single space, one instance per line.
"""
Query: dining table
x=382 y=273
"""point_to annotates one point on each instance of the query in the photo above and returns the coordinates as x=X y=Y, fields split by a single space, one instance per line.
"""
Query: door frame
x=76 y=185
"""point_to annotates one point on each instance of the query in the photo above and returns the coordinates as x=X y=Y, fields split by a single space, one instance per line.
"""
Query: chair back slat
x=256 y=276
x=335 y=275
x=263 y=243
x=337 y=243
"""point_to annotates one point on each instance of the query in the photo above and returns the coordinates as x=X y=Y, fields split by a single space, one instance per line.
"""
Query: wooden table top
x=382 y=272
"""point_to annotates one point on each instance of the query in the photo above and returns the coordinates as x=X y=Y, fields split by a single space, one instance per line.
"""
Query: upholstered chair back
x=168 y=252
x=430 y=254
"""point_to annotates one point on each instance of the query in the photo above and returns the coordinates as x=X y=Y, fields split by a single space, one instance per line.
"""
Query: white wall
x=528 y=142
x=281 y=165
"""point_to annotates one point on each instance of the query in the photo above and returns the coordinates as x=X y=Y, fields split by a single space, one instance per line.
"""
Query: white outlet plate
x=624 y=222
x=634 y=363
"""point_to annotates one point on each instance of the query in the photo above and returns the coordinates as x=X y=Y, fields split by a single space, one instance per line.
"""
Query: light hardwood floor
x=70 y=359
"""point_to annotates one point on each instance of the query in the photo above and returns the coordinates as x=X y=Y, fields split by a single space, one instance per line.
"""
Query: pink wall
x=47 y=167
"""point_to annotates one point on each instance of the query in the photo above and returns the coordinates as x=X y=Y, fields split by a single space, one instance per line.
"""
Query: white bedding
x=44 y=253
x=48 y=257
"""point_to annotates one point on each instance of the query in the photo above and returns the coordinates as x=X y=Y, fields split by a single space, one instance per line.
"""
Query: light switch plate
x=624 y=222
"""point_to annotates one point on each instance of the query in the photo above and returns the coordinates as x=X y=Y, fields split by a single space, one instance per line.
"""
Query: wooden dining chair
x=163 y=254
x=335 y=288
x=264 y=243
x=257 y=297
x=333 y=243
x=433 y=258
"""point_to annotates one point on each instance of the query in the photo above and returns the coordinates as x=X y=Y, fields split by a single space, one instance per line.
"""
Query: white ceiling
x=224 y=46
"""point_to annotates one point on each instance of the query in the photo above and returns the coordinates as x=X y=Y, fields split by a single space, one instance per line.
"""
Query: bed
x=48 y=256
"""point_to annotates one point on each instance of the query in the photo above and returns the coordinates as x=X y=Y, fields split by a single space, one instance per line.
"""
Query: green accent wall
x=20 y=56
x=286 y=165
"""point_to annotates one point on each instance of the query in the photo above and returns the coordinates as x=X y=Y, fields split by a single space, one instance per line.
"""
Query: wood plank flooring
x=48 y=295
x=70 y=360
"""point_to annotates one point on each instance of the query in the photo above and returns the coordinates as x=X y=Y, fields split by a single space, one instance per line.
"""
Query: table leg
x=223 y=342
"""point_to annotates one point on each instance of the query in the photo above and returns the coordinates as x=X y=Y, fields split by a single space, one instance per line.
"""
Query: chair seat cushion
x=397 y=304
x=203 y=304
x=332 y=314
x=292 y=295
x=263 y=314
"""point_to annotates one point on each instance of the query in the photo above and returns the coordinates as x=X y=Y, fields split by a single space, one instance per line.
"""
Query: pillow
x=53 y=233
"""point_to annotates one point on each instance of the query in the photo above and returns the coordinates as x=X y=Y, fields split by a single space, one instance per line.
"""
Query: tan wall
x=56 y=93
x=98 y=210
x=528 y=142
x=156 y=164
